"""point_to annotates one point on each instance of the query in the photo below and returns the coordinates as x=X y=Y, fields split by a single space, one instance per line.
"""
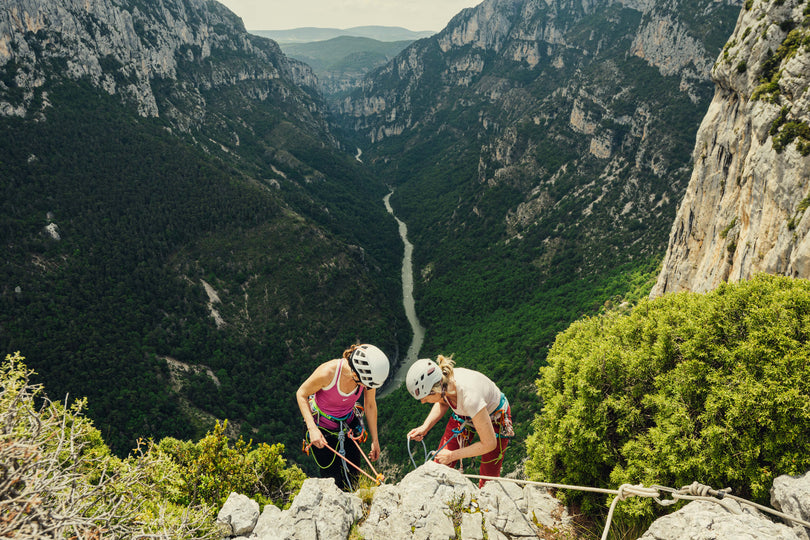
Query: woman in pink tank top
x=327 y=402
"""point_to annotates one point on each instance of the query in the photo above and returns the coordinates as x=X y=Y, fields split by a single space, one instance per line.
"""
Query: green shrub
x=214 y=467
x=789 y=132
x=59 y=480
x=687 y=387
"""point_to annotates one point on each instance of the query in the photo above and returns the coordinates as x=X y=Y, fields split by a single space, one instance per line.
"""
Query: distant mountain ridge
x=309 y=34
x=341 y=63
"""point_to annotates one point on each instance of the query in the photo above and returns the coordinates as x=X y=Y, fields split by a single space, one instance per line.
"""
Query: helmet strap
x=351 y=366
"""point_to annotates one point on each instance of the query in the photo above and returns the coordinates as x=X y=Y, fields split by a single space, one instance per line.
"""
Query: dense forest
x=142 y=219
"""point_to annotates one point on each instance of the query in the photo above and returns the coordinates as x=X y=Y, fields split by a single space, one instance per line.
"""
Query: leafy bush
x=59 y=479
x=687 y=387
x=214 y=467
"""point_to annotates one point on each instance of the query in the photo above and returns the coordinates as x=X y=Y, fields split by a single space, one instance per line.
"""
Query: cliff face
x=162 y=56
x=537 y=33
x=576 y=120
x=743 y=211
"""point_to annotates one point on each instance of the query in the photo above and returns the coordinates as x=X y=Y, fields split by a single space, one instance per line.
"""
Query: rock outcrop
x=701 y=520
x=744 y=209
x=435 y=501
x=162 y=57
x=429 y=503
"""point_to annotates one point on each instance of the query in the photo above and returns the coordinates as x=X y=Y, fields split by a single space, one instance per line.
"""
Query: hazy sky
x=283 y=14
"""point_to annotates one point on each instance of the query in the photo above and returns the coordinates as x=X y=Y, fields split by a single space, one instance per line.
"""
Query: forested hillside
x=538 y=151
x=183 y=240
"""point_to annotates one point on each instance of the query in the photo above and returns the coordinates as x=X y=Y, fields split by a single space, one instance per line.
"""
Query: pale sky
x=414 y=15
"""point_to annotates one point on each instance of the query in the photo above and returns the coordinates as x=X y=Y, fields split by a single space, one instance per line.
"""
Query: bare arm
x=370 y=406
x=320 y=378
x=486 y=443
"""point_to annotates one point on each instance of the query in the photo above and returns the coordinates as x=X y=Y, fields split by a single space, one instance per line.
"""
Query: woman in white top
x=477 y=406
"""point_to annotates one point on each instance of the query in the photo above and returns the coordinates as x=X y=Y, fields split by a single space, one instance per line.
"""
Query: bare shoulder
x=320 y=378
x=326 y=371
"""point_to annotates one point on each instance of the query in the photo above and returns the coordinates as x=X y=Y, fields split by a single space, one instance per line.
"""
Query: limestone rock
x=702 y=520
x=744 y=209
x=426 y=504
x=435 y=501
x=320 y=510
x=791 y=495
x=127 y=48
x=239 y=513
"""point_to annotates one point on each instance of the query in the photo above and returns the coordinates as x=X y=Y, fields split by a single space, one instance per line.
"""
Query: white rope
x=627 y=490
x=693 y=492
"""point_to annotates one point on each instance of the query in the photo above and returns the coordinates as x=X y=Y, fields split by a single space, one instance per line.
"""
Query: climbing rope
x=693 y=492
x=429 y=455
x=378 y=478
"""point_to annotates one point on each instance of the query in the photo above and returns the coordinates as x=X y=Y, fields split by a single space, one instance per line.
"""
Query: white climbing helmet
x=422 y=377
x=370 y=364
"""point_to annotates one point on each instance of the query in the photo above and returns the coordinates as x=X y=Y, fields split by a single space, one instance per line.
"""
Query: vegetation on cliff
x=59 y=479
x=687 y=387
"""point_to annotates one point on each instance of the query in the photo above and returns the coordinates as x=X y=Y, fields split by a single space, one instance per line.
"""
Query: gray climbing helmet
x=370 y=364
x=422 y=376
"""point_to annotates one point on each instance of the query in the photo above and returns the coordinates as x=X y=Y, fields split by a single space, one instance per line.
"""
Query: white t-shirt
x=474 y=391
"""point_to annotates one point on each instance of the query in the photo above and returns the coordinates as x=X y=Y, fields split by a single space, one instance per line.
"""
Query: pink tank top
x=332 y=401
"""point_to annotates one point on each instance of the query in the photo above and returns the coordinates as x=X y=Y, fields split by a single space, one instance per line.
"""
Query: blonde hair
x=445 y=364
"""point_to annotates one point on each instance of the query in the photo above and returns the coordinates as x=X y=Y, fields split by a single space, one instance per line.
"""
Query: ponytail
x=446 y=364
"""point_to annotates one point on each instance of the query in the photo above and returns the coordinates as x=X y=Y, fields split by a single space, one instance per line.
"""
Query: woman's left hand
x=444 y=456
x=375 y=451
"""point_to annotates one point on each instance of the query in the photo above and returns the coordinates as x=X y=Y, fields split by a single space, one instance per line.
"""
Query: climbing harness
x=693 y=492
x=378 y=478
x=499 y=417
x=350 y=425
x=357 y=410
x=465 y=431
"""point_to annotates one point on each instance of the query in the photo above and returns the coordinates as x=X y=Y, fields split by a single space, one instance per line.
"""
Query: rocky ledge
x=435 y=501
